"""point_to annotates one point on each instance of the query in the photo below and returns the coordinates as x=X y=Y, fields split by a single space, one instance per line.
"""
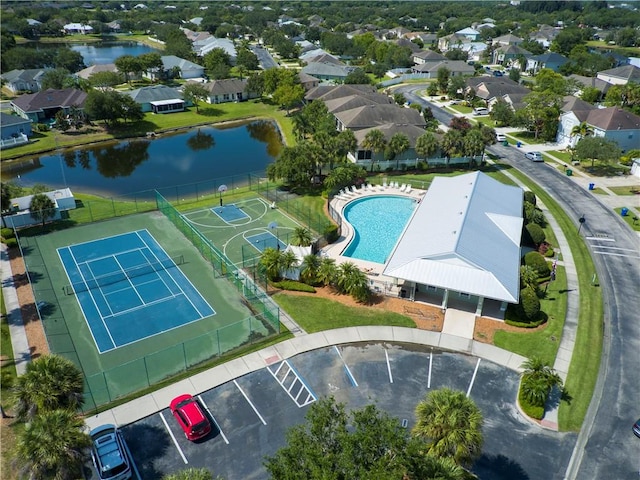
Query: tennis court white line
x=173 y=265
x=175 y=442
x=104 y=238
x=128 y=280
x=473 y=378
x=185 y=278
x=93 y=300
x=224 y=437
x=139 y=307
x=111 y=254
x=90 y=292
x=250 y=403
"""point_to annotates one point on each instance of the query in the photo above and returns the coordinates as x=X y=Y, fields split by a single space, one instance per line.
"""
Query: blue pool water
x=378 y=222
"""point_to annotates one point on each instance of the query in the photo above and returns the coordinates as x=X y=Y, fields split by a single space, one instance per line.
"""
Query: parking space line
x=430 y=364
x=250 y=403
x=388 y=366
x=346 y=367
x=473 y=379
x=175 y=442
x=311 y=397
x=214 y=420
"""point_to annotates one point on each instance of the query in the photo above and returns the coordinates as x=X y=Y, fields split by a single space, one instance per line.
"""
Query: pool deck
x=373 y=270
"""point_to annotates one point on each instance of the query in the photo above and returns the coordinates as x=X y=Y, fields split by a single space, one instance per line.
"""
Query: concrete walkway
x=21 y=351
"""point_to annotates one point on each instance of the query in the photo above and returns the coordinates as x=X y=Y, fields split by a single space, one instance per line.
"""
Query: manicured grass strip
x=316 y=314
x=629 y=218
x=585 y=361
x=626 y=190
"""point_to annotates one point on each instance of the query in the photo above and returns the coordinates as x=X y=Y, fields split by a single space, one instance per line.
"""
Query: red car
x=190 y=417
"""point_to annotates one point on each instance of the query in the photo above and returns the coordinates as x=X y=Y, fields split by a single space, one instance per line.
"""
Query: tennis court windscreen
x=122 y=275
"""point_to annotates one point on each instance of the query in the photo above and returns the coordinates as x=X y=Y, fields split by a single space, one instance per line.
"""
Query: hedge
x=536 y=233
x=538 y=263
x=294 y=286
x=530 y=303
x=7 y=233
x=11 y=242
x=532 y=411
x=331 y=233
x=530 y=197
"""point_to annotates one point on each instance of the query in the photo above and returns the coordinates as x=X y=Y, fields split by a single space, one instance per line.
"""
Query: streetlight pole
x=581 y=220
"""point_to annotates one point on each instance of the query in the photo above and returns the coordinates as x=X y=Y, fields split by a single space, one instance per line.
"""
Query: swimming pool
x=378 y=222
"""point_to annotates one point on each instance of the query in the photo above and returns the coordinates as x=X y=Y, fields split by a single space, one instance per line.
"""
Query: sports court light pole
x=221 y=188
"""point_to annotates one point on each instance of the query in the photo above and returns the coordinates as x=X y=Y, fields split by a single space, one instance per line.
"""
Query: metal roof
x=464 y=236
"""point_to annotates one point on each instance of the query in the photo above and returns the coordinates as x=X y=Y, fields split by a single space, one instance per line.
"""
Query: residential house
x=449 y=42
x=551 y=60
x=612 y=123
x=621 y=75
x=14 y=130
x=508 y=54
x=320 y=56
x=77 y=28
x=470 y=33
x=427 y=38
x=308 y=81
x=514 y=100
x=573 y=113
x=340 y=104
x=114 y=27
x=456 y=67
x=24 y=80
x=469 y=218
x=105 y=67
x=490 y=89
x=508 y=39
x=171 y=63
x=329 y=92
x=405 y=42
x=397 y=32
x=42 y=107
x=366 y=158
x=204 y=46
x=545 y=35
x=327 y=71
x=594 y=82
x=228 y=90
x=426 y=56
x=376 y=115
x=158 y=99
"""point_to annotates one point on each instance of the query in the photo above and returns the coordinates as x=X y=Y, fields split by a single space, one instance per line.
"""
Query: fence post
x=184 y=354
x=146 y=370
x=218 y=337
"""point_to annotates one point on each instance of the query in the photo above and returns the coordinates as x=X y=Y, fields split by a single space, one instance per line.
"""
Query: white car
x=534 y=156
x=500 y=137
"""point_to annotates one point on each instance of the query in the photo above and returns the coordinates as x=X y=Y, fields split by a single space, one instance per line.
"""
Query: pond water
x=118 y=168
x=99 y=53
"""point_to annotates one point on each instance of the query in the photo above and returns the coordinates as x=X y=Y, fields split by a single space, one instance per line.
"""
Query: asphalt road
x=264 y=57
x=253 y=412
x=606 y=446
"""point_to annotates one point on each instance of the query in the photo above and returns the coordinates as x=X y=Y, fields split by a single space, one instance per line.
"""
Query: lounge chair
x=354 y=189
x=408 y=189
x=370 y=187
x=384 y=185
x=396 y=185
x=403 y=187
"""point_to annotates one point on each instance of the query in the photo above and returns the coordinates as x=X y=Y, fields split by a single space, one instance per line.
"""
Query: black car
x=636 y=428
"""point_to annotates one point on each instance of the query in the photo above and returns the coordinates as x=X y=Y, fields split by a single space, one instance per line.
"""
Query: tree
x=50 y=382
x=540 y=114
x=538 y=379
x=375 y=142
x=110 y=106
x=582 y=130
x=473 y=144
x=52 y=445
x=247 y=59
x=68 y=59
x=452 y=143
x=301 y=237
x=57 y=79
x=528 y=277
x=357 y=76
x=288 y=95
x=364 y=443
x=444 y=74
x=352 y=281
x=150 y=62
x=328 y=271
x=426 y=145
x=309 y=269
x=42 y=208
x=597 y=148
x=105 y=80
x=460 y=123
x=128 y=64
x=502 y=113
x=271 y=261
x=451 y=425
x=5 y=195
x=549 y=81
x=195 y=93
x=218 y=63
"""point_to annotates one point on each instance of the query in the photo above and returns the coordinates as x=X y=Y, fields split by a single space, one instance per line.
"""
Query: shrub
x=537 y=261
x=7 y=233
x=530 y=303
x=331 y=233
x=535 y=233
x=550 y=252
x=532 y=411
x=530 y=197
x=11 y=242
x=294 y=286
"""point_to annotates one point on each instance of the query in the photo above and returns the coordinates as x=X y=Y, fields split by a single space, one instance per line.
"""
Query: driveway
x=254 y=411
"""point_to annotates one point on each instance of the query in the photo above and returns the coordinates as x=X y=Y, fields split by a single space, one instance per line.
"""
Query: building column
x=445 y=299
x=503 y=306
x=479 y=306
x=412 y=295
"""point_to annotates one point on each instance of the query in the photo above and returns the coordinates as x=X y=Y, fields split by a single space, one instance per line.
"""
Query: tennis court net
x=122 y=275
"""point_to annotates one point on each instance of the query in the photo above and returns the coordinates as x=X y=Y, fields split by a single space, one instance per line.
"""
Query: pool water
x=378 y=222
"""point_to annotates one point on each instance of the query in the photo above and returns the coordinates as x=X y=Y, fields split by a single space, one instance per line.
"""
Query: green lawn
x=316 y=314
x=562 y=156
x=527 y=137
x=634 y=224
x=626 y=190
x=585 y=361
x=8 y=371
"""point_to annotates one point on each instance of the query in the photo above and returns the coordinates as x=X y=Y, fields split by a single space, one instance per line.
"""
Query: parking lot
x=253 y=412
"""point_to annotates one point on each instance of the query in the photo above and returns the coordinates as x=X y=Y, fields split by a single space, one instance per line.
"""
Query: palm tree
x=41 y=208
x=327 y=271
x=352 y=281
x=398 y=144
x=191 y=474
x=452 y=143
x=310 y=268
x=473 y=144
x=288 y=261
x=301 y=236
x=426 y=145
x=270 y=261
x=538 y=379
x=52 y=445
x=451 y=425
x=581 y=131
x=374 y=140
x=49 y=383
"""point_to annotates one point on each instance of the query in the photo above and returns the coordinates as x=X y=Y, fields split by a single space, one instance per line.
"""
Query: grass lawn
x=8 y=374
x=564 y=157
x=315 y=314
x=460 y=109
x=626 y=190
x=629 y=218
x=527 y=137
x=585 y=361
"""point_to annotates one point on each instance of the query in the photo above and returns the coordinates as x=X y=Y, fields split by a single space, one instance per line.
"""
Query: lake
x=119 y=168
x=99 y=53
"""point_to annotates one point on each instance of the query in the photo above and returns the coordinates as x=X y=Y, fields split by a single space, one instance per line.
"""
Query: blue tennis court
x=264 y=240
x=230 y=213
x=128 y=288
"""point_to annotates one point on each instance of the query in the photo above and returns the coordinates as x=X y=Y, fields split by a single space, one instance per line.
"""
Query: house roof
x=550 y=57
x=405 y=42
x=631 y=73
x=155 y=93
x=170 y=61
x=372 y=115
x=50 y=99
x=613 y=118
x=389 y=129
x=429 y=56
x=341 y=104
x=574 y=104
x=328 y=92
x=512 y=50
x=454 y=66
x=475 y=81
x=306 y=78
x=516 y=100
x=323 y=57
x=105 y=67
x=225 y=86
x=489 y=90
x=591 y=82
x=28 y=75
x=508 y=39
x=451 y=239
x=468 y=31
x=7 y=120
x=323 y=69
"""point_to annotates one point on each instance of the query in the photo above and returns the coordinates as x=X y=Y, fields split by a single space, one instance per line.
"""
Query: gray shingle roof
x=353 y=101
x=170 y=61
x=372 y=115
x=326 y=69
x=50 y=99
x=329 y=92
x=631 y=73
x=24 y=75
x=154 y=94
x=389 y=129
x=7 y=120
x=226 y=86
x=613 y=118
